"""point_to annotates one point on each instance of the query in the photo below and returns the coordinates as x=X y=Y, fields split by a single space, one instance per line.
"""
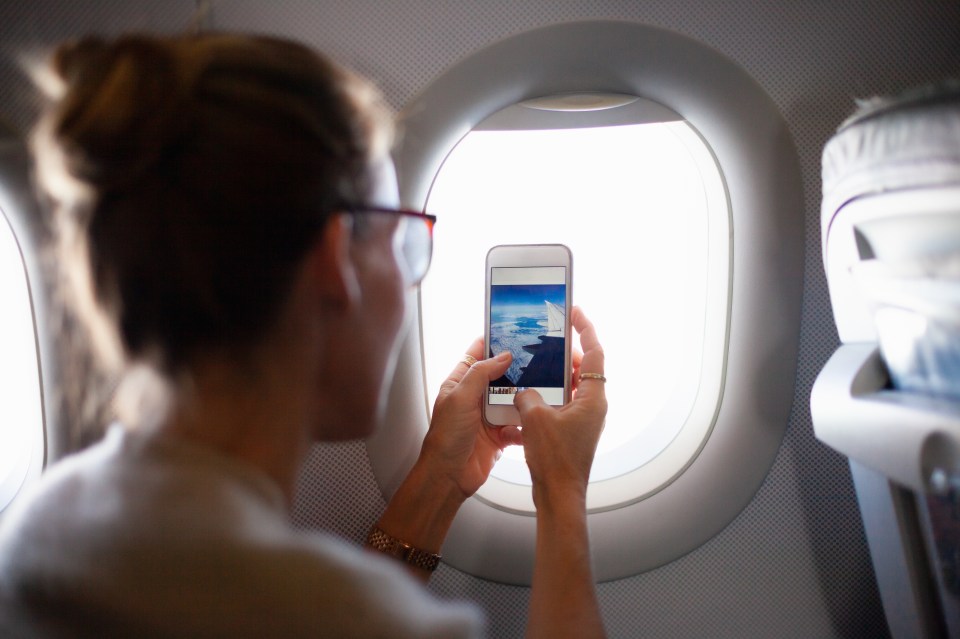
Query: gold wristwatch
x=381 y=541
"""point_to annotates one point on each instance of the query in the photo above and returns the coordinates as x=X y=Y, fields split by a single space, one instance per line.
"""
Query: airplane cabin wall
x=794 y=563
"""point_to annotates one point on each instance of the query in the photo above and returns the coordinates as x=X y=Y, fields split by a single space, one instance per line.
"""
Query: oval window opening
x=636 y=194
x=21 y=411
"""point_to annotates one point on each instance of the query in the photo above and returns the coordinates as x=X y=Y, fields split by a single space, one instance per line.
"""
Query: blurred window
x=21 y=412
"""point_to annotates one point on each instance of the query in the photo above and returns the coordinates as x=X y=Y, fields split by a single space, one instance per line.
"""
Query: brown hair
x=190 y=175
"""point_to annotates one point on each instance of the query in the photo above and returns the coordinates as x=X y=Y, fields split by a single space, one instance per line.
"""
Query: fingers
x=472 y=379
x=526 y=402
x=474 y=376
x=592 y=351
x=592 y=361
x=506 y=436
x=476 y=352
x=577 y=359
x=477 y=377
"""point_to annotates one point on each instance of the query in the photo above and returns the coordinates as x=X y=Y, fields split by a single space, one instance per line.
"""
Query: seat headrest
x=911 y=140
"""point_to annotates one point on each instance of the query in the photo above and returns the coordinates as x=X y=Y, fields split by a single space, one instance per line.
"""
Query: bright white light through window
x=20 y=404
x=632 y=203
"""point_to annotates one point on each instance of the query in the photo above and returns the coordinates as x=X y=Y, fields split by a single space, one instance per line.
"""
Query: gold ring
x=597 y=376
x=469 y=360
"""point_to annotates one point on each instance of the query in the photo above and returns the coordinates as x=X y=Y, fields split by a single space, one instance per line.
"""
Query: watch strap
x=389 y=545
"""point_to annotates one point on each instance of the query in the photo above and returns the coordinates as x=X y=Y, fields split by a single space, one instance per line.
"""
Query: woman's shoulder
x=63 y=486
x=195 y=545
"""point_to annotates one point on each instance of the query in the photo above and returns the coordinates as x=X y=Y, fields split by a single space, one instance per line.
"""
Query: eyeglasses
x=412 y=241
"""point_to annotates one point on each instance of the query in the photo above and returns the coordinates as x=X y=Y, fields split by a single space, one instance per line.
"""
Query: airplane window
x=687 y=241
x=21 y=418
x=643 y=210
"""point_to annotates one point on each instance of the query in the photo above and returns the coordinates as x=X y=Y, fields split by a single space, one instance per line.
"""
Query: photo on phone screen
x=528 y=318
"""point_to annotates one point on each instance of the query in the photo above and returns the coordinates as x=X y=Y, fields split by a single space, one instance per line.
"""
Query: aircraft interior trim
x=714 y=98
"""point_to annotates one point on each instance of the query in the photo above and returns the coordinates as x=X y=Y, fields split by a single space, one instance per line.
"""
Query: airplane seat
x=889 y=397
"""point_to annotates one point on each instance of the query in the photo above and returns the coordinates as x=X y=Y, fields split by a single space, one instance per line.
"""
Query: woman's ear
x=333 y=270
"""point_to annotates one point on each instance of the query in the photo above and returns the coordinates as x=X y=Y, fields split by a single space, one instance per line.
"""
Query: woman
x=225 y=209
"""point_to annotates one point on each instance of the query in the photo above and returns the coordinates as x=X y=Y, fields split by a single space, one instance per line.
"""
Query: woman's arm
x=559 y=445
x=563 y=601
x=458 y=453
x=456 y=458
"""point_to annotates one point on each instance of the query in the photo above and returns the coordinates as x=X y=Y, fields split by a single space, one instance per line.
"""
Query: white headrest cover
x=909 y=141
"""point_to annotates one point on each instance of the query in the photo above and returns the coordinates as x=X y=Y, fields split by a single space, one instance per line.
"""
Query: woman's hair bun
x=190 y=175
x=120 y=108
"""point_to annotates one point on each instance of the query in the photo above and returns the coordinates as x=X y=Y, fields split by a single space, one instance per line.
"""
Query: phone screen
x=528 y=318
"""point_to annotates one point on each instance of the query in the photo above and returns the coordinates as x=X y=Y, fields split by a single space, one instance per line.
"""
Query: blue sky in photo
x=512 y=296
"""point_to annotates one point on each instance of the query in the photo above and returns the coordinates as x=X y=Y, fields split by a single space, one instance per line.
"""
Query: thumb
x=527 y=402
x=485 y=371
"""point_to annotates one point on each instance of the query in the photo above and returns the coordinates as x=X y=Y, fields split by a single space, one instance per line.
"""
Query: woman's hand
x=459 y=446
x=560 y=443
x=456 y=458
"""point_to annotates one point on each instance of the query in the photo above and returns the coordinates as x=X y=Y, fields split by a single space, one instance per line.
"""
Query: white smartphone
x=528 y=296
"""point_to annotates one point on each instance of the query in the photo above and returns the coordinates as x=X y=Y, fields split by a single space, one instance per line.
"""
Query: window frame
x=20 y=215
x=755 y=151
